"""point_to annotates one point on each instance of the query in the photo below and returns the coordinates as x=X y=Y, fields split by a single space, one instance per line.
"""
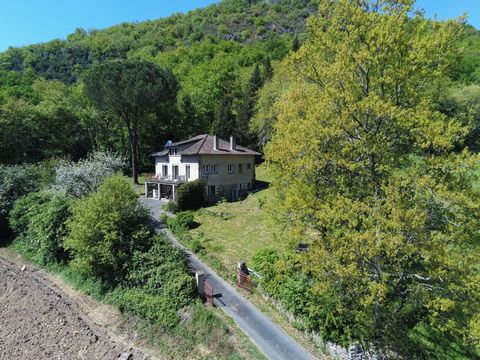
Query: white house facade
x=227 y=168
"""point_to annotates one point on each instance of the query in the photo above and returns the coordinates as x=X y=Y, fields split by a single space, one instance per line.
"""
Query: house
x=227 y=168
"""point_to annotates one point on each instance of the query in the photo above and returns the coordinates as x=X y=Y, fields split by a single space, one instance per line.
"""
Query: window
x=187 y=171
x=209 y=169
x=249 y=166
x=211 y=190
x=230 y=168
x=173 y=151
x=165 y=170
x=175 y=172
x=240 y=168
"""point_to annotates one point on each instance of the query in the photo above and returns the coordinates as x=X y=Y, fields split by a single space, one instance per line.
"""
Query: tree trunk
x=132 y=136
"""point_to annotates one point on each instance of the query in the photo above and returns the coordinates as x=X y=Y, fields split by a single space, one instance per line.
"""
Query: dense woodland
x=369 y=118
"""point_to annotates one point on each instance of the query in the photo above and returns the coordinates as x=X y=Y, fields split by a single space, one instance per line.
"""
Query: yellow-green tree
x=364 y=172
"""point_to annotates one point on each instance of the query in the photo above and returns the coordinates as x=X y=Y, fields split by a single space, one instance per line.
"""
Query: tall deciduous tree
x=364 y=172
x=130 y=89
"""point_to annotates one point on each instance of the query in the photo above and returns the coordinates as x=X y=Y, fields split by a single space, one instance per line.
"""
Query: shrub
x=78 y=179
x=196 y=246
x=158 y=284
x=191 y=195
x=105 y=229
x=171 y=206
x=181 y=223
x=39 y=221
x=15 y=181
x=264 y=260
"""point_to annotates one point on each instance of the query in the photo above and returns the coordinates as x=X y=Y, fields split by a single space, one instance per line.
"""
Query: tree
x=267 y=69
x=463 y=103
x=190 y=124
x=295 y=44
x=130 y=89
x=364 y=172
x=266 y=110
x=78 y=179
x=224 y=122
x=38 y=220
x=121 y=227
x=15 y=182
x=247 y=107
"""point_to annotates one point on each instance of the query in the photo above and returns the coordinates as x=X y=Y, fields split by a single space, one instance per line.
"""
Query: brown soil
x=43 y=318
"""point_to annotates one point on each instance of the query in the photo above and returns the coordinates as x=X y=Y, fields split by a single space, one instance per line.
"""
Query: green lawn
x=231 y=232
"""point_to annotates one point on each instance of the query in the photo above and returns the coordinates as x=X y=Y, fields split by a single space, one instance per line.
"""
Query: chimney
x=215 y=142
x=233 y=144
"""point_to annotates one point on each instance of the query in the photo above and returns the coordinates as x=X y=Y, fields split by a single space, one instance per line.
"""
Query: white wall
x=176 y=160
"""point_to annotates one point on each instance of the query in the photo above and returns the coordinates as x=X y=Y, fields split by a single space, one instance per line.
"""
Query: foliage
x=224 y=122
x=182 y=222
x=266 y=113
x=38 y=219
x=171 y=207
x=131 y=90
x=158 y=284
x=121 y=228
x=191 y=195
x=80 y=178
x=463 y=103
x=15 y=181
x=246 y=110
x=364 y=172
x=38 y=122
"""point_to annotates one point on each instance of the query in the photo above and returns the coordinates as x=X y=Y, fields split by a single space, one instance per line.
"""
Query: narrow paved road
x=268 y=336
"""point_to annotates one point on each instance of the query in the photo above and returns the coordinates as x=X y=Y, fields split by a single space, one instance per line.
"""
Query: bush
x=191 y=195
x=181 y=223
x=39 y=219
x=105 y=229
x=158 y=284
x=78 y=179
x=196 y=246
x=15 y=181
x=171 y=206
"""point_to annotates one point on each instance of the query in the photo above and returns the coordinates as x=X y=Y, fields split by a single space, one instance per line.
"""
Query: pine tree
x=247 y=108
x=224 y=121
x=267 y=69
x=295 y=44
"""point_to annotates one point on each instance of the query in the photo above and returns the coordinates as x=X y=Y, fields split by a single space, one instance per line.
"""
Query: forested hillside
x=211 y=51
x=222 y=56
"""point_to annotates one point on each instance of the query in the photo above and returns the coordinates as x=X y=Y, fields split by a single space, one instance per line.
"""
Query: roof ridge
x=203 y=142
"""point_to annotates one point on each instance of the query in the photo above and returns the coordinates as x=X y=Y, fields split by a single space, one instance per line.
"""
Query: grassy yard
x=231 y=232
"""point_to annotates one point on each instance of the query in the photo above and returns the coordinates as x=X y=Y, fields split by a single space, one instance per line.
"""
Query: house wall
x=181 y=162
x=229 y=185
x=225 y=181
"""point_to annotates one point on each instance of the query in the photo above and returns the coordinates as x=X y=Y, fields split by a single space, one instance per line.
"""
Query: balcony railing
x=171 y=178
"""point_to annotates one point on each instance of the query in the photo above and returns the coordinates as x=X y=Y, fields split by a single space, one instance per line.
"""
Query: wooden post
x=159 y=197
x=146 y=189
x=173 y=192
